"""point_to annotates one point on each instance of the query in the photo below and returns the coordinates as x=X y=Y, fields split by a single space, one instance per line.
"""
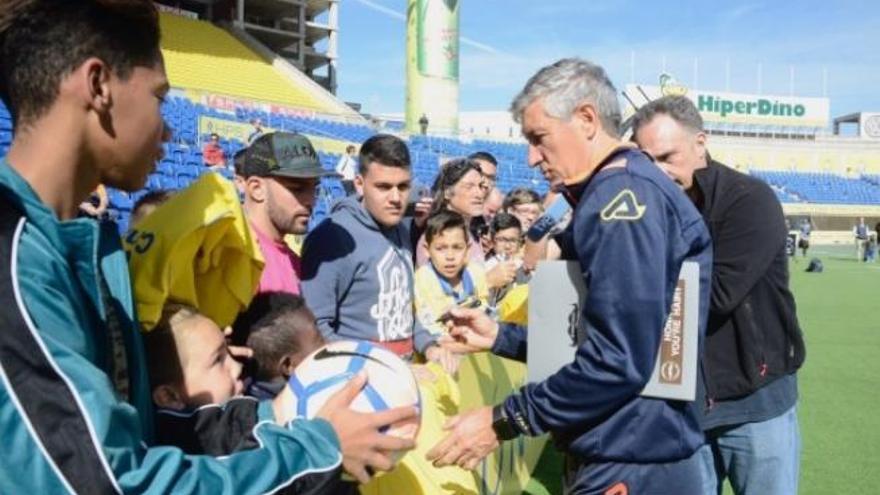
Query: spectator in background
x=488 y=166
x=357 y=264
x=423 y=124
x=525 y=205
x=494 y=202
x=257 y=132
x=507 y=240
x=347 y=168
x=458 y=187
x=480 y=229
x=281 y=174
x=96 y=206
x=212 y=153
x=146 y=204
x=806 y=228
x=747 y=394
x=860 y=234
x=871 y=250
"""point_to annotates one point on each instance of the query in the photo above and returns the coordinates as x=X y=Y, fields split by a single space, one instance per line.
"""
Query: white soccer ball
x=390 y=383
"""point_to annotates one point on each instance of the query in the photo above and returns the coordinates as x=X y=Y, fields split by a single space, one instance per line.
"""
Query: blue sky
x=505 y=41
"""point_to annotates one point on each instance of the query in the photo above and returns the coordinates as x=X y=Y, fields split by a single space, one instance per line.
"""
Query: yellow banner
x=483 y=380
x=231 y=129
x=228 y=129
x=486 y=380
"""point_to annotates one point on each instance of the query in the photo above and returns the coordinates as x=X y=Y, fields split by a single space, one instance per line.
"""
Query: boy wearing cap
x=281 y=171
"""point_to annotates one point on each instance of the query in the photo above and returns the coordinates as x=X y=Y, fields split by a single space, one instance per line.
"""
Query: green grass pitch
x=839 y=406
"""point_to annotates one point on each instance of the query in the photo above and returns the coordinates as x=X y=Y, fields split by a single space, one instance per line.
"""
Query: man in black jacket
x=753 y=345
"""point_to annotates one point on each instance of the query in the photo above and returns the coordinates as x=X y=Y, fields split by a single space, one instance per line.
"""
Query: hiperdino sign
x=733 y=108
x=760 y=106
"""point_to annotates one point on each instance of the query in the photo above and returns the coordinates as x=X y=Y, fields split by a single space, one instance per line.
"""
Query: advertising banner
x=718 y=107
x=231 y=129
x=432 y=62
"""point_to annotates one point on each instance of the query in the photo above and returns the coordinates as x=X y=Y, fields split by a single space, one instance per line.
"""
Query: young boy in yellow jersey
x=449 y=279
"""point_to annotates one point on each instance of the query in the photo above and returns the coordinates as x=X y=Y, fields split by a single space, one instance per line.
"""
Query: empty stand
x=202 y=56
x=824 y=188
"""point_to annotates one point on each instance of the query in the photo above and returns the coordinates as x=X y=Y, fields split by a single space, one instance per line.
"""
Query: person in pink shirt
x=280 y=173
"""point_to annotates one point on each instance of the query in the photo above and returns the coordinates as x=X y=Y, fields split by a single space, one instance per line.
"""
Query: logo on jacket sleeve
x=624 y=206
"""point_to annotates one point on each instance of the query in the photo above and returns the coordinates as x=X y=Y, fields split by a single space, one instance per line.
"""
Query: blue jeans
x=758 y=458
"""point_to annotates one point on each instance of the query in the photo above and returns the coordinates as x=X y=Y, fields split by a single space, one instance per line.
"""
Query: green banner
x=432 y=63
x=437 y=32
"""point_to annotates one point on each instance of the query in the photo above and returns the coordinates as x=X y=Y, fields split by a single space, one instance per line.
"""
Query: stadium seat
x=197 y=51
x=183 y=181
x=166 y=167
x=167 y=183
x=123 y=220
x=119 y=200
x=154 y=183
x=822 y=188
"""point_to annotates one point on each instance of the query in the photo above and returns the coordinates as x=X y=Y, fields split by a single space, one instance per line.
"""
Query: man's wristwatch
x=502 y=425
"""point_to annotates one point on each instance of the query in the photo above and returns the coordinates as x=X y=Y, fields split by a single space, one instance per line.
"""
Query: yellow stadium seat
x=204 y=57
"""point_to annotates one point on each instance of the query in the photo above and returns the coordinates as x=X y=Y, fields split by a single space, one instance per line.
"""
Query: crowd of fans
x=368 y=232
x=109 y=384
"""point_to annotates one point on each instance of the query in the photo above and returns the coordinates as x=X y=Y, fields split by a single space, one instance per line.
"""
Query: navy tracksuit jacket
x=632 y=228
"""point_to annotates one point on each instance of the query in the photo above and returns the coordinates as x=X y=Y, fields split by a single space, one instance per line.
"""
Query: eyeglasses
x=507 y=240
x=526 y=209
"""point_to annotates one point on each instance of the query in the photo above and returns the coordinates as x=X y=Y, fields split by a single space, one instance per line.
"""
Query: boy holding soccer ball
x=197 y=387
x=280 y=330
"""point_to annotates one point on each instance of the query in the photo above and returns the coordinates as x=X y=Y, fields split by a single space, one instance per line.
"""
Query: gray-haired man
x=630 y=232
x=754 y=345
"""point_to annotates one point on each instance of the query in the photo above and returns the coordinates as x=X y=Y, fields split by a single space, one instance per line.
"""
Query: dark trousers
x=684 y=477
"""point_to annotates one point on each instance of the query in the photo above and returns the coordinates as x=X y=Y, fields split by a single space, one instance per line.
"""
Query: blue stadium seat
x=119 y=199
x=153 y=182
x=183 y=181
x=123 y=220
x=167 y=183
x=225 y=172
x=135 y=196
x=190 y=170
x=166 y=167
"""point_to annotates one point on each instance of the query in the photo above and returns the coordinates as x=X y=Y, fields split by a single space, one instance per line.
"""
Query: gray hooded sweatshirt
x=357 y=278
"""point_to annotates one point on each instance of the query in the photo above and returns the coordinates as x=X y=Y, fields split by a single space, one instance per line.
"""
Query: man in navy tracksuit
x=631 y=231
